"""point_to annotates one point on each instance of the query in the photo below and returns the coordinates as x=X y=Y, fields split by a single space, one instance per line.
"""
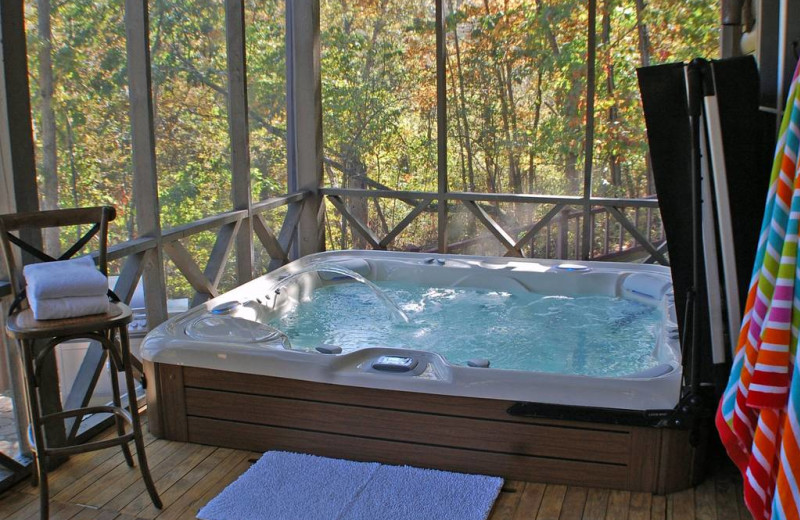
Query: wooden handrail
x=204 y=224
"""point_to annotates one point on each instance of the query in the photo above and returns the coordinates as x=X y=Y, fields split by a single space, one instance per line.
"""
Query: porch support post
x=18 y=191
x=145 y=176
x=17 y=108
x=591 y=77
x=304 y=114
x=238 y=128
x=441 y=125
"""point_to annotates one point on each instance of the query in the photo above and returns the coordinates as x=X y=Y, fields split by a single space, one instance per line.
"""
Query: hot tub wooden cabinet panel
x=260 y=413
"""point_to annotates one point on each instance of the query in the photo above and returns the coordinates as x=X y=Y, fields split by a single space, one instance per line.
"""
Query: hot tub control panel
x=394 y=364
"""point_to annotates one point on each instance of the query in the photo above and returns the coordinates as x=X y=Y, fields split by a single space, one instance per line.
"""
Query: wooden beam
x=493 y=227
x=268 y=239
x=145 y=176
x=189 y=268
x=537 y=227
x=359 y=226
x=18 y=106
x=276 y=202
x=588 y=140
x=204 y=224
x=16 y=133
x=623 y=220
x=221 y=251
x=441 y=122
x=662 y=248
x=131 y=247
x=304 y=118
x=290 y=222
x=476 y=196
x=238 y=129
x=129 y=277
x=278 y=247
x=419 y=208
x=85 y=382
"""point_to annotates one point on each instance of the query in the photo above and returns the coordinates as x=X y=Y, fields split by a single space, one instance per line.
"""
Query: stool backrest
x=98 y=217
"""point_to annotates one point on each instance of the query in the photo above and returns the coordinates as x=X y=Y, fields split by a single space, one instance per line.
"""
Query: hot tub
x=239 y=371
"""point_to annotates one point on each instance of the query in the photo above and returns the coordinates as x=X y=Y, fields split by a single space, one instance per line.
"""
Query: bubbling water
x=395 y=311
x=589 y=335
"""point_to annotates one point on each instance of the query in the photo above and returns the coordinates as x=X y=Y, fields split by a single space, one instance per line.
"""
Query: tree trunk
x=48 y=169
x=461 y=153
x=537 y=115
x=462 y=110
x=644 y=61
x=644 y=37
x=73 y=171
x=357 y=206
x=614 y=168
x=503 y=93
x=512 y=112
x=569 y=108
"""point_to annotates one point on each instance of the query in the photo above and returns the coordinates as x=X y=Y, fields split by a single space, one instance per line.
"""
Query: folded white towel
x=59 y=308
x=78 y=277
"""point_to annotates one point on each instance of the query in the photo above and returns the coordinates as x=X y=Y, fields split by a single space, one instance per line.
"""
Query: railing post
x=19 y=164
x=304 y=119
x=441 y=125
x=591 y=53
x=145 y=177
x=562 y=246
x=238 y=130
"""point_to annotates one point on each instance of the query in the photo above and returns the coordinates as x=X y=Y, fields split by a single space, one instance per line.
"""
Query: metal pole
x=591 y=57
x=441 y=125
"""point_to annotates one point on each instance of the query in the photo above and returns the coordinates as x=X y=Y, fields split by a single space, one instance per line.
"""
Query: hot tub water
x=600 y=336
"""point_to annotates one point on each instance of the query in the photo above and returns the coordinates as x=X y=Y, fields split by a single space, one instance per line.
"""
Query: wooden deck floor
x=100 y=486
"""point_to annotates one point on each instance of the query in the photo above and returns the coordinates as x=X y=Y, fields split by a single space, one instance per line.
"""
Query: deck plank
x=15 y=500
x=596 y=504
x=727 y=496
x=618 y=506
x=123 y=476
x=640 y=507
x=680 y=505
x=95 y=514
x=100 y=486
x=186 y=483
x=705 y=501
x=550 y=508
x=221 y=483
x=165 y=483
x=58 y=511
x=659 y=508
x=84 y=479
x=505 y=505
x=133 y=487
x=530 y=501
x=507 y=500
x=177 y=507
x=574 y=502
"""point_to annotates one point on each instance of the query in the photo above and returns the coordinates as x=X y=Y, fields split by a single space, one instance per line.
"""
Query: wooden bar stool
x=37 y=340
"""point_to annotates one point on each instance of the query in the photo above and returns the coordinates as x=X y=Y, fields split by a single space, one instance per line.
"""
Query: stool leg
x=137 y=430
x=39 y=450
x=114 y=371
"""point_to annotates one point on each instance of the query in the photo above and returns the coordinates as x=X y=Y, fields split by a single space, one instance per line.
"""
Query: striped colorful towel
x=757 y=417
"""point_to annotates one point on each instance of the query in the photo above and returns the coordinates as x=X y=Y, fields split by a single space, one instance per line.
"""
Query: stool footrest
x=89 y=446
x=80 y=412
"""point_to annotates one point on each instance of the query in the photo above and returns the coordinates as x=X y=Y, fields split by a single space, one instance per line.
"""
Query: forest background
x=516 y=105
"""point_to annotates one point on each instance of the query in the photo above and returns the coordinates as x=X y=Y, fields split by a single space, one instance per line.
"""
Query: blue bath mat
x=292 y=486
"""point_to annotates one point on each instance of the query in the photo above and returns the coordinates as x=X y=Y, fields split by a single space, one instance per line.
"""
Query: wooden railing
x=617 y=226
x=560 y=230
x=204 y=281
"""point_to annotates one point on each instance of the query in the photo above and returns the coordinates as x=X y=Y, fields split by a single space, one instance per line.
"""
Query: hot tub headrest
x=645 y=286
